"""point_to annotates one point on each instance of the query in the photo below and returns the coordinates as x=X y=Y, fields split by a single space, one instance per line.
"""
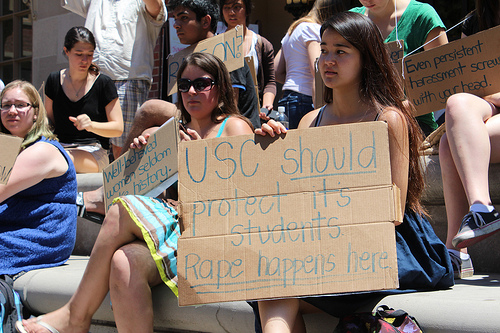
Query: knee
x=459 y=106
x=156 y=110
x=125 y=270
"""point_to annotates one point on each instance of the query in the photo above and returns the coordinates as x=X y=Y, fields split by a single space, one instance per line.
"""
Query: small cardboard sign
x=306 y=213
x=396 y=52
x=227 y=46
x=146 y=171
x=10 y=149
x=468 y=65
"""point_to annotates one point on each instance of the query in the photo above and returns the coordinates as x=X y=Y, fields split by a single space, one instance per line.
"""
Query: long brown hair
x=319 y=13
x=382 y=87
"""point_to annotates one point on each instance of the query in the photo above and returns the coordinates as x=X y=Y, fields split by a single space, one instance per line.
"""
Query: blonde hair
x=41 y=124
x=319 y=13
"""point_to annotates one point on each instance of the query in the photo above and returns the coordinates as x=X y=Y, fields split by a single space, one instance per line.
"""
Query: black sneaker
x=461 y=268
x=476 y=227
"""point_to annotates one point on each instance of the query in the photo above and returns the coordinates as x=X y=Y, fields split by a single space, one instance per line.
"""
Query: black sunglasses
x=199 y=84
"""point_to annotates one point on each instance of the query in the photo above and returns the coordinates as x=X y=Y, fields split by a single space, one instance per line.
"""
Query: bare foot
x=59 y=320
x=94 y=201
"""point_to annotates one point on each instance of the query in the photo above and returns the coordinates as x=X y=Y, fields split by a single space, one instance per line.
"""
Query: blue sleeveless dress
x=38 y=224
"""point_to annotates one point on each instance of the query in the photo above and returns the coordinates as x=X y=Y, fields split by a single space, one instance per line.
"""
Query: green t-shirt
x=413 y=27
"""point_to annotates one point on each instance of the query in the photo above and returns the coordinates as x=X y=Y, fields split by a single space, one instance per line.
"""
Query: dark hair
x=201 y=8
x=381 y=86
x=84 y=35
x=320 y=12
x=216 y=68
x=485 y=16
x=248 y=10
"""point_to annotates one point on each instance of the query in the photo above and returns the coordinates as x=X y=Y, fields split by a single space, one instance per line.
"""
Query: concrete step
x=472 y=305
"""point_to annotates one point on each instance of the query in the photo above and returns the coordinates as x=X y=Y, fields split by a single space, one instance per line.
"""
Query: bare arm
x=49 y=109
x=34 y=164
x=280 y=67
x=398 y=150
x=313 y=52
x=443 y=39
x=112 y=128
x=153 y=7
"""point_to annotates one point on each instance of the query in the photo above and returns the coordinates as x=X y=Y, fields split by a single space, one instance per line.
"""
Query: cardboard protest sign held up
x=147 y=171
x=467 y=65
x=396 y=52
x=10 y=149
x=308 y=213
x=228 y=47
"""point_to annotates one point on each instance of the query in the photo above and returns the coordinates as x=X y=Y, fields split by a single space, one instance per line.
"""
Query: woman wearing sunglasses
x=136 y=246
x=37 y=205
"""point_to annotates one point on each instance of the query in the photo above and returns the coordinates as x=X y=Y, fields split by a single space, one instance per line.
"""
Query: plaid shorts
x=132 y=94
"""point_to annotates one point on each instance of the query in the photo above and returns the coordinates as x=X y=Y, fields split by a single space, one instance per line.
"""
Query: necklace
x=77 y=91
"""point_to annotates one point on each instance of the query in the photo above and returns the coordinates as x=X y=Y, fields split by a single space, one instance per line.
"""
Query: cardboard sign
x=10 y=149
x=468 y=65
x=307 y=213
x=227 y=46
x=396 y=53
x=147 y=171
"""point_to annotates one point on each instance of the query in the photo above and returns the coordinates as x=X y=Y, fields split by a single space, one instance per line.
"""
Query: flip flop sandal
x=20 y=327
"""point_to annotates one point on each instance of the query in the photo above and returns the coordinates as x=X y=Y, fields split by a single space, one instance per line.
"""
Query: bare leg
x=133 y=273
x=152 y=113
x=117 y=230
x=281 y=315
x=84 y=161
x=470 y=144
x=455 y=199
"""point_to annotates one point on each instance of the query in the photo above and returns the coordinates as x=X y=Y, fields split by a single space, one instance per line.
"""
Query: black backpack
x=11 y=308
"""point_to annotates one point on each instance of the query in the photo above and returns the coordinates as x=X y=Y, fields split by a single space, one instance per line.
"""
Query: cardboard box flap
x=144 y=171
x=358 y=258
x=10 y=149
x=331 y=157
x=295 y=211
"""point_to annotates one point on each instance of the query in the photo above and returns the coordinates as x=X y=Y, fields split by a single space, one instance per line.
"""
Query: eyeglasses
x=21 y=107
x=199 y=84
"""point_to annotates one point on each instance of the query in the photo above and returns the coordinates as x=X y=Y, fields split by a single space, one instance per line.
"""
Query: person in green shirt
x=414 y=22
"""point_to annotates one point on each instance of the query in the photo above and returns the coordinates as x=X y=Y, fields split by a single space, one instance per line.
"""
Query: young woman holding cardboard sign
x=136 y=246
x=37 y=205
x=361 y=85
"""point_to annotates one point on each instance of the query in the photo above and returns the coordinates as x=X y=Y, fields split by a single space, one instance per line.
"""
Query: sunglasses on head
x=199 y=84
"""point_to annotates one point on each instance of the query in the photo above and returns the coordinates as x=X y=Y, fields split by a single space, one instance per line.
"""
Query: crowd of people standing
x=102 y=95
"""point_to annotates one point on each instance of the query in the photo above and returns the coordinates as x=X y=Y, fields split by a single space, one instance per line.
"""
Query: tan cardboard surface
x=331 y=157
x=290 y=211
x=10 y=149
x=467 y=65
x=139 y=171
x=227 y=46
x=281 y=264
x=396 y=52
x=308 y=213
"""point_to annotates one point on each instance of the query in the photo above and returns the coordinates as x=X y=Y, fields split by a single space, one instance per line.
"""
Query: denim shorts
x=296 y=106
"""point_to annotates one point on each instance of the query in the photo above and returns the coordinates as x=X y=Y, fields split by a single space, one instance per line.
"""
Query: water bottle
x=282 y=117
